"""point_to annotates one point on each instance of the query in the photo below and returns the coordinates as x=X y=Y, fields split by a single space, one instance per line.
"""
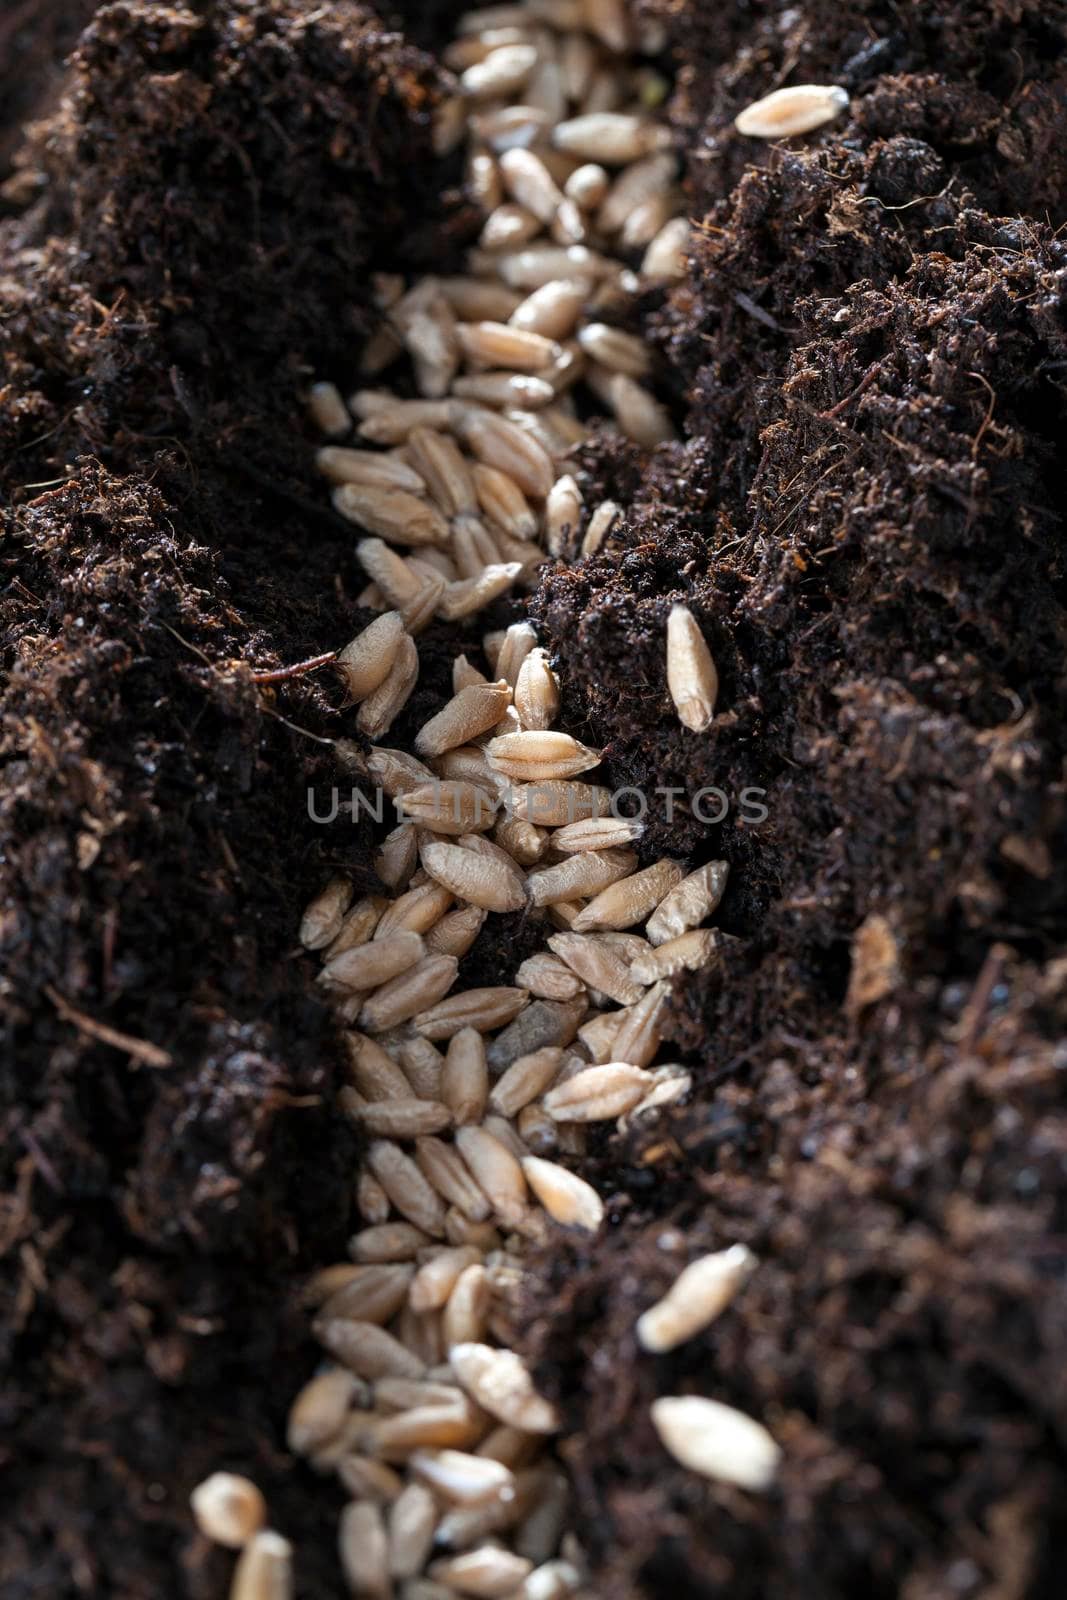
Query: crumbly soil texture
x=869 y=364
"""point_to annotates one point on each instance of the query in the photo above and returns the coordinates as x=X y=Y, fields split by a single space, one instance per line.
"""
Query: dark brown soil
x=870 y=357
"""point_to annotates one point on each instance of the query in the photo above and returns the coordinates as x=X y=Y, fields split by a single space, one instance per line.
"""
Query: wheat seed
x=568 y=1199
x=450 y=806
x=718 y=1442
x=499 y=443
x=364 y=1548
x=586 y=873
x=357 y=926
x=264 y=1569
x=466 y=1314
x=406 y=1187
x=690 y=903
x=472 y=711
x=397 y=857
x=508 y=228
x=412 y=1518
x=396 y=771
x=367 y=467
x=691 y=676
x=455 y=934
x=388 y=1241
x=369 y=1480
x=548 y=978
x=444 y=1169
x=410 y=993
x=628 y=901
x=541 y=1024
x=558 y=803
x=609 y=138
x=587 y=186
x=598 y=1093
x=320 y=1409
x=483 y=1009
x=321 y=922
x=521 y=840
x=536 y=756
x=404 y=1119
x=463 y=599
x=328 y=411
x=393 y=514
x=667 y=253
x=501 y=73
x=435 y=1279
x=374 y=963
x=440 y=463
x=459 y=1477
x=474 y=878
x=638 y=414
x=672 y=1085
x=418 y=909
x=372 y=1202
x=600 y=525
x=228 y=1509
x=563 y=513
x=507 y=389
x=787 y=112
x=498 y=344
x=698 y=1295
x=689 y=952
x=526 y=1079
x=476 y=299
x=496 y=1171
x=500 y=1383
x=326 y=1281
x=490 y=1573
x=375 y=1296
x=598 y=965
x=638 y=1037
x=536 y=692
x=372 y=1070
x=552 y=310
x=613 y=348
x=371 y=1352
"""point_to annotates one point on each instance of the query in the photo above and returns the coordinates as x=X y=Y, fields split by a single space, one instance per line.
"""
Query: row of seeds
x=474 y=1103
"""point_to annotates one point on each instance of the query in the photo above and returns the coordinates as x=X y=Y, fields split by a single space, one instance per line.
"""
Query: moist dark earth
x=869 y=363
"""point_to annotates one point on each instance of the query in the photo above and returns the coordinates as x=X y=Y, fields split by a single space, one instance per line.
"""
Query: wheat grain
x=450 y=806
x=375 y=1296
x=521 y=840
x=497 y=442
x=455 y=934
x=462 y=1478
x=264 y=1569
x=498 y=344
x=319 y=1411
x=404 y=1119
x=357 y=925
x=558 y=803
x=388 y=1241
x=689 y=952
x=393 y=514
x=667 y=253
x=501 y=73
x=489 y=1572
x=326 y=1281
x=435 y=1279
x=501 y=1385
x=372 y=1202
x=374 y=963
x=639 y=415
x=495 y=1170
x=483 y=1009
x=364 y=1548
x=563 y=513
x=372 y=1070
x=601 y=523
x=568 y=1199
x=508 y=228
x=548 y=978
x=426 y=1428
x=228 y=1509
x=412 y=1519
x=390 y=572
x=525 y=1079
x=474 y=878
x=541 y=1024
x=463 y=599
x=396 y=771
x=787 y=112
x=586 y=873
x=368 y=1480
x=440 y=463
x=713 y=1439
x=323 y=918
x=328 y=411
x=691 y=676
x=536 y=756
x=418 y=909
x=406 y=1187
x=409 y=994
x=689 y=903
x=466 y=1314
x=397 y=856
x=609 y=138
x=638 y=1037
x=367 y=467
x=537 y=1131
x=613 y=348
x=598 y=1093
x=371 y=1352
x=698 y=1295
x=538 y=264
x=628 y=901
x=536 y=692
x=598 y=965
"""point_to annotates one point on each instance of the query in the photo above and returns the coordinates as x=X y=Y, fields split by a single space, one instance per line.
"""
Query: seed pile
x=475 y=1102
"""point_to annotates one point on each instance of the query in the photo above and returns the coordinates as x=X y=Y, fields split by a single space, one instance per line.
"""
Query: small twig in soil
x=150 y=1055
x=279 y=674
